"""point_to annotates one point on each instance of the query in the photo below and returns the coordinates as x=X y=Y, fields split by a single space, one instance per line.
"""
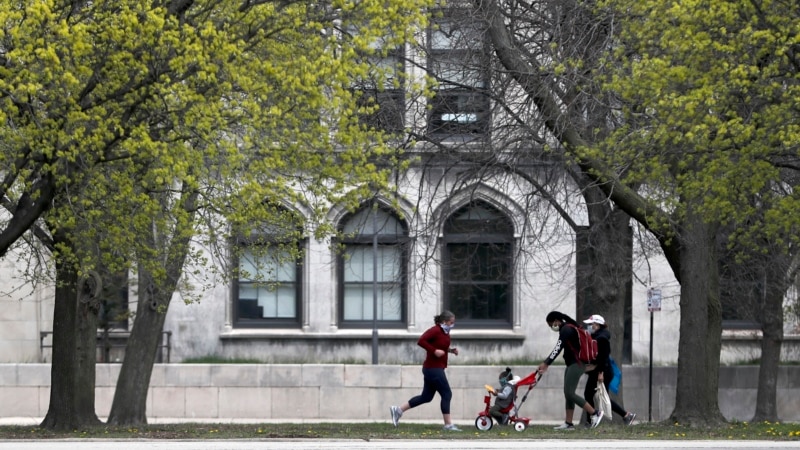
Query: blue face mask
x=446 y=327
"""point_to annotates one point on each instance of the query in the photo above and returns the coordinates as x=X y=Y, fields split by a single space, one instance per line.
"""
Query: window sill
x=275 y=333
x=752 y=335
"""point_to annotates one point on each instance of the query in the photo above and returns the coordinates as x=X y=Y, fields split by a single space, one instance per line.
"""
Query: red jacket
x=431 y=340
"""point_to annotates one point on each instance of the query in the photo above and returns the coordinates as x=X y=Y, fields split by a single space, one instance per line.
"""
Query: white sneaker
x=451 y=427
x=565 y=426
x=596 y=418
x=396 y=413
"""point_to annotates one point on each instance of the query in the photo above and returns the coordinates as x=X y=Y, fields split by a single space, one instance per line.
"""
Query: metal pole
x=650 y=401
x=374 y=283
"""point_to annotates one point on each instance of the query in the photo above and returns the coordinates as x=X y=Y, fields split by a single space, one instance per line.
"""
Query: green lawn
x=733 y=431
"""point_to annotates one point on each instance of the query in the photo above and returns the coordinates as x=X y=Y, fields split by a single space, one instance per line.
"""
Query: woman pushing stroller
x=568 y=341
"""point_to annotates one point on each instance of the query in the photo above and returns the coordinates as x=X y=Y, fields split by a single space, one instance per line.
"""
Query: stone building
x=480 y=244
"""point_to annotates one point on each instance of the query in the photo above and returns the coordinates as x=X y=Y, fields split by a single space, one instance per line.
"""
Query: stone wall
x=336 y=392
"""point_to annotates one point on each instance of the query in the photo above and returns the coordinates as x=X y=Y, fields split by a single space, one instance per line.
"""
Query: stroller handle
x=531 y=379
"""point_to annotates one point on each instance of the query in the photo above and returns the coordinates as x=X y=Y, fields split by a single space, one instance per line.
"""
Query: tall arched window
x=478 y=248
x=372 y=269
x=267 y=290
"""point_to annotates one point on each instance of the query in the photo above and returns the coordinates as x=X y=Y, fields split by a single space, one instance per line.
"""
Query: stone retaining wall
x=337 y=392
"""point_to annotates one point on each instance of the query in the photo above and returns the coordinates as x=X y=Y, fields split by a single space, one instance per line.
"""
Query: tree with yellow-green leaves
x=133 y=132
x=700 y=146
x=708 y=92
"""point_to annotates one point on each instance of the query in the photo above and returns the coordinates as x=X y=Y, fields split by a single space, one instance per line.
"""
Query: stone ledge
x=296 y=392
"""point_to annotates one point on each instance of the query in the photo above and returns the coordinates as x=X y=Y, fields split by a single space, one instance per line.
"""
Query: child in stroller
x=504 y=400
x=505 y=409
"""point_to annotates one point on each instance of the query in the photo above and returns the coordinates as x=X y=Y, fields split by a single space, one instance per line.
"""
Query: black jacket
x=603 y=338
x=569 y=342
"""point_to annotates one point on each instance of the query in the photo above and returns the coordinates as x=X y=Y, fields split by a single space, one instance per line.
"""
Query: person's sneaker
x=628 y=419
x=565 y=426
x=596 y=418
x=451 y=427
x=396 y=413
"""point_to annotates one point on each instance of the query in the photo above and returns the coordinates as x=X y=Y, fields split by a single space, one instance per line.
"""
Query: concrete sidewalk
x=457 y=444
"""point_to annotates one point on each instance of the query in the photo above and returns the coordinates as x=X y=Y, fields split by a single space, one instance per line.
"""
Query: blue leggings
x=435 y=381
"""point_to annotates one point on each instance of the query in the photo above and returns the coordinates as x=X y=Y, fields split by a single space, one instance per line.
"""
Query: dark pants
x=435 y=381
x=500 y=416
x=572 y=376
x=591 y=385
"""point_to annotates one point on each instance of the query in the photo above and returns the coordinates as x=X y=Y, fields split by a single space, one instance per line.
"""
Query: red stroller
x=484 y=420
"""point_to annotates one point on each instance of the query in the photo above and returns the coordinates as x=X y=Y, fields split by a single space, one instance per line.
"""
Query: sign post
x=653 y=304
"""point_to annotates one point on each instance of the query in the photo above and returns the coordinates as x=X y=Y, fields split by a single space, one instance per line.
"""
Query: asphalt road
x=393 y=444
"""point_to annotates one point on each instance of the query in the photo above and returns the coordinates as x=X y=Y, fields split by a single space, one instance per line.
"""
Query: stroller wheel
x=519 y=426
x=483 y=423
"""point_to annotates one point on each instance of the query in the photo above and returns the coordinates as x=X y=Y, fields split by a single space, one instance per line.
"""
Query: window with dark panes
x=372 y=269
x=478 y=266
x=267 y=287
x=381 y=93
x=459 y=61
x=114 y=312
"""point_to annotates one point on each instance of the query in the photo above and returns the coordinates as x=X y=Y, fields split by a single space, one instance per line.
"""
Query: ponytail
x=443 y=317
x=558 y=315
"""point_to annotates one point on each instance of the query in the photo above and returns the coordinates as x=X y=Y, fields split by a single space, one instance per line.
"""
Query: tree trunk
x=72 y=371
x=609 y=252
x=611 y=258
x=697 y=402
x=86 y=349
x=130 y=397
x=771 y=342
x=61 y=414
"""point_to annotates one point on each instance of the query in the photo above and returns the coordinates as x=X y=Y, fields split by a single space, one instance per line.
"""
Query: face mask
x=554 y=327
x=447 y=328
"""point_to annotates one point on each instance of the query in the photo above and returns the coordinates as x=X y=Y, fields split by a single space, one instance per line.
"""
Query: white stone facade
x=544 y=280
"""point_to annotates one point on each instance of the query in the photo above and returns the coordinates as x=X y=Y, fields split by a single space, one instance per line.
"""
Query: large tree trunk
x=72 y=371
x=611 y=248
x=609 y=252
x=697 y=402
x=61 y=414
x=130 y=397
x=771 y=342
x=614 y=282
x=86 y=348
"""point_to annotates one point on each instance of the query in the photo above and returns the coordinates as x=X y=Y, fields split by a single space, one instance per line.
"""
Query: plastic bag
x=602 y=401
x=614 y=385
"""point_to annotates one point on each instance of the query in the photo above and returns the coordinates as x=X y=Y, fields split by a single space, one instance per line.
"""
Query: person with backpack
x=603 y=372
x=569 y=340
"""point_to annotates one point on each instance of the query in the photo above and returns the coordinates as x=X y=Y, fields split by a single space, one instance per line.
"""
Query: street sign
x=654 y=299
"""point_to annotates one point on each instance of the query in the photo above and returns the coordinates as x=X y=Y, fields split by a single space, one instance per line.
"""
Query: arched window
x=372 y=269
x=478 y=248
x=267 y=289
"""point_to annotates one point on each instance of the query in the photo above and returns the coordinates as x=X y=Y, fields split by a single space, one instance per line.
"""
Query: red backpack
x=587 y=351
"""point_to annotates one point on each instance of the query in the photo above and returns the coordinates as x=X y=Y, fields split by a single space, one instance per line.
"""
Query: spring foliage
x=121 y=108
x=708 y=92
